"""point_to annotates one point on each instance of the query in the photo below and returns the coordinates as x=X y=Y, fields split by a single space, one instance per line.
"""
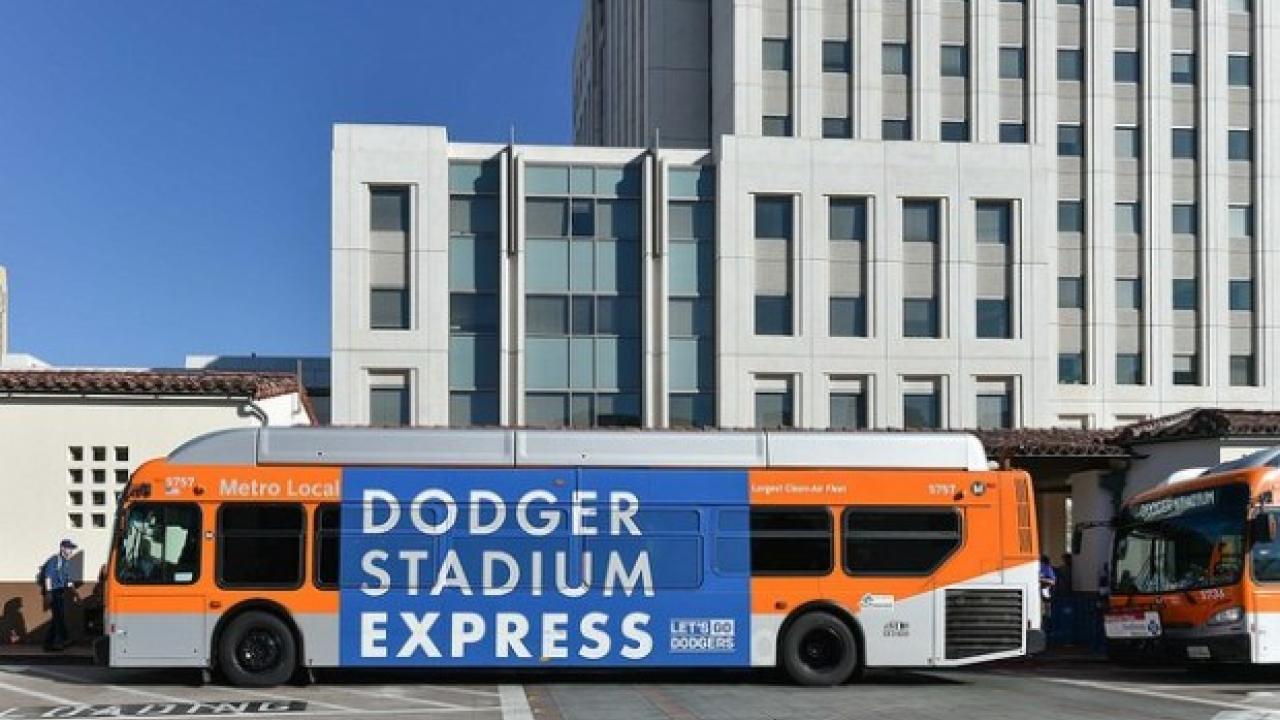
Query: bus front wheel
x=819 y=649
x=257 y=650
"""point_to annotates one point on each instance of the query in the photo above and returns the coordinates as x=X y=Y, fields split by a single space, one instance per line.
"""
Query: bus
x=262 y=553
x=1196 y=567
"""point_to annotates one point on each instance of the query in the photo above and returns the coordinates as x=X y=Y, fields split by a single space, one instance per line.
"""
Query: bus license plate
x=1133 y=625
x=1198 y=652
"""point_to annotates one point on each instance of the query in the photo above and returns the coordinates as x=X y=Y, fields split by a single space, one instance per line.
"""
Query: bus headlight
x=1227 y=617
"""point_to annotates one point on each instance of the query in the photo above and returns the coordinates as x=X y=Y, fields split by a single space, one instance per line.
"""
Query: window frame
x=832 y=536
x=120 y=533
x=845 y=535
x=218 y=534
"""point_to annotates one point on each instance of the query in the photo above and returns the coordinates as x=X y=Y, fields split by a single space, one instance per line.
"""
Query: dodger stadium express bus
x=1196 y=567
x=259 y=552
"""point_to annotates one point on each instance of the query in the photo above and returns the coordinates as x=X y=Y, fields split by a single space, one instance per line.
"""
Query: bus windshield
x=1181 y=542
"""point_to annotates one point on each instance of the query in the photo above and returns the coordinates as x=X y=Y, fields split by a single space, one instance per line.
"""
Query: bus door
x=160 y=605
x=1263 y=583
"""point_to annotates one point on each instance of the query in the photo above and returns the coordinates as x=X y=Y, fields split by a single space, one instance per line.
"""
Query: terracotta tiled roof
x=1201 y=423
x=252 y=385
x=1049 y=442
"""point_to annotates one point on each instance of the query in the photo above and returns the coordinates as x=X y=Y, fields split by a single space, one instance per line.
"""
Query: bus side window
x=327 y=541
x=791 y=541
x=260 y=545
x=160 y=545
x=899 y=540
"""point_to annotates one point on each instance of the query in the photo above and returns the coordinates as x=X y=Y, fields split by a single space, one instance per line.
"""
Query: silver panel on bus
x=603 y=448
x=385 y=446
x=640 y=448
x=876 y=450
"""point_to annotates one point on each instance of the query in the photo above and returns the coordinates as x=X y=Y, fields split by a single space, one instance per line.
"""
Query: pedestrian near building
x=56 y=581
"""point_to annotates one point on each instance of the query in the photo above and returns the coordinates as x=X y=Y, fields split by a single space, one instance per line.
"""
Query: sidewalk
x=25 y=654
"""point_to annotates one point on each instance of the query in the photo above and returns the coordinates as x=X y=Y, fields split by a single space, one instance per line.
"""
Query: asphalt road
x=1023 y=691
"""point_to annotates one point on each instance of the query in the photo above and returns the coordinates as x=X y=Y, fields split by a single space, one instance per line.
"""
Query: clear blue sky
x=164 y=166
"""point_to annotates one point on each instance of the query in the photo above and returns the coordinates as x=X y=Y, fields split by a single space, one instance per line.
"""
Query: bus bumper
x=102 y=650
x=1217 y=648
x=1035 y=642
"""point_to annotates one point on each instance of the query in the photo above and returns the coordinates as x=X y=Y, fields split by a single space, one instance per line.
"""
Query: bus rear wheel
x=257 y=650
x=819 y=649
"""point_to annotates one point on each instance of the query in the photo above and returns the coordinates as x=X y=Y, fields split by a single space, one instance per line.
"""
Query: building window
x=1185 y=294
x=955 y=61
x=1241 y=295
x=921 y=406
x=1070 y=64
x=994 y=245
x=1185 y=219
x=895 y=129
x=1240 y=6
x=1070 y=141
x=1128 y=66
x=389 y=399
x=1183 y=4
x=1242 y=371
x=1013 y=133
x=847 y=223
x=774 y=403
x=1013 y=63
x=1129 y=293
x=955 y=131
x=1070 y=216
x=473 y=293
x=1239 y=70
x=1128 y=219
x=1128 y=3
x=1128 y=143
x=1240 y=219
x=1185 y=370
x=776 y=54
x=1071 y=293
x=1239 y=145
x=1184 y=144
x=836 y=57
x=848 y=404
x=582 y=311
x=1128 y=369
x=389 y=232
x=691 y=302
x=921 y=235
x=776 y=126
x=837 y=128
x=896 y=59
x=994 y=410
x=774 y=230
x=1071 y=368
x=1184 y=69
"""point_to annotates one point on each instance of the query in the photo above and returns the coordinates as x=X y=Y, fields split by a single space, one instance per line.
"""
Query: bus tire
x=819 y=649
x=257 y=650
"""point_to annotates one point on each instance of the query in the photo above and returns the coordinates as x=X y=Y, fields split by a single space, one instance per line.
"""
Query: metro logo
x=470 y=567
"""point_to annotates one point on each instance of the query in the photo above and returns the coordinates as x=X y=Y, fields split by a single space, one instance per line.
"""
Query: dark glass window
x=1186 y=294
x=327 y=535
x=1070 y=292
x=776 y=126
x=955 y=131
x=260 y=545
x=1241 y=294
x=835 y=56
x=1071 y=368
x=1128 y=66
x=1239 y=145
x=1070 y=216
x=899 y=541
x=920 y=317
x=1070 y=141
x=1128 y=369
x=837 y=127
x=159 y=545
x=790 y=541
x=1013 y=133
x=993 y=318
x=1242 y=371
x=895 y=129
x=776 y=54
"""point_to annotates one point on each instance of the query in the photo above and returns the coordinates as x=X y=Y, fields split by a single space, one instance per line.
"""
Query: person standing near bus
x=57 y=580
x=1048 y=581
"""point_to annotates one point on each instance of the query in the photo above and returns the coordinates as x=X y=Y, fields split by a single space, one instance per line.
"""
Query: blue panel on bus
x=467 y=567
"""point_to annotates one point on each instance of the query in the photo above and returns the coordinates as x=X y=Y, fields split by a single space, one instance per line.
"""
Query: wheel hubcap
x=821 y=649
x=258 y=651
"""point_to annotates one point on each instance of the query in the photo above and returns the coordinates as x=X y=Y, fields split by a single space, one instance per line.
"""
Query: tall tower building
x=834 y=213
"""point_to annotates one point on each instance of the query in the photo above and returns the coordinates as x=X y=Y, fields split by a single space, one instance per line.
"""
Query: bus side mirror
x=1077 y=540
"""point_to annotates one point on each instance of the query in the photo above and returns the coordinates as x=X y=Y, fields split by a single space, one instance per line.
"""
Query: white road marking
x=300 y=713
x=38 y=695
x=66 y=677
x=405 y=698
x=515 y=704
x=1097 y=685
x=466 y=691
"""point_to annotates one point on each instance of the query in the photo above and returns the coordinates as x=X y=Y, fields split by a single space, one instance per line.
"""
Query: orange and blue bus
x=260 y=553
x=1196 y=567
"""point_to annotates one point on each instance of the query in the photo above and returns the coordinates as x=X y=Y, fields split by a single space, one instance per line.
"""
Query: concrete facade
x=1099 y=180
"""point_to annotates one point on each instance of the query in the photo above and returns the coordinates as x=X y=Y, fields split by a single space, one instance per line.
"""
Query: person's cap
x=66 y=543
